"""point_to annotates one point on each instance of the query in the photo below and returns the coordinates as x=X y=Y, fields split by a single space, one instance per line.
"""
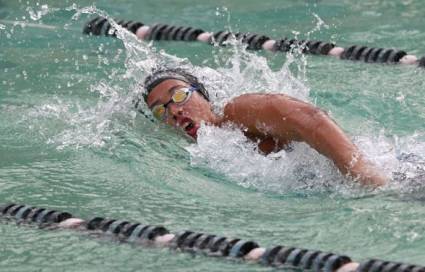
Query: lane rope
x=100 y=26
x=200 y=243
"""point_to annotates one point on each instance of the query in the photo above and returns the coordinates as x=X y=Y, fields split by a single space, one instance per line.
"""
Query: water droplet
x=36 y=15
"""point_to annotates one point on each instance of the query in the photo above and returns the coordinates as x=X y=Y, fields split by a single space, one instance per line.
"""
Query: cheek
x=197 y=111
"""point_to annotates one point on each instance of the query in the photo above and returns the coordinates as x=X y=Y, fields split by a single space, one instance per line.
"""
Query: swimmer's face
x=186 y=116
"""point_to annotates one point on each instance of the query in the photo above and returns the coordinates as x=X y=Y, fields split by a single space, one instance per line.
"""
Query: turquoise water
x=70 y=140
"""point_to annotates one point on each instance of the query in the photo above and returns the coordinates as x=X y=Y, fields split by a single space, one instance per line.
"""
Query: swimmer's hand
x=366 y=173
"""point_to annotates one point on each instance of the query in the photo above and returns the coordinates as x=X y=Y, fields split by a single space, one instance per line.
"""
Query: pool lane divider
x=101 y=26
x=200 y=243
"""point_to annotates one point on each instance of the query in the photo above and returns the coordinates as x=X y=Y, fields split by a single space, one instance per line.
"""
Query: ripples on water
x=73 y=141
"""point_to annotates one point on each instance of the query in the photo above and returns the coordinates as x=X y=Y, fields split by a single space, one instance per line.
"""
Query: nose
x=175 y=112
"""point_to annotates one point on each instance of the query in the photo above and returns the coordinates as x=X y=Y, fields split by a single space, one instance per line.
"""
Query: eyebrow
x=171 y=90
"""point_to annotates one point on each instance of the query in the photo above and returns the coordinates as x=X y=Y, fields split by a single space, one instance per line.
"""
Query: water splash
x=228 y=151
x=95 y=125
x=303 y=170
x=36 y=15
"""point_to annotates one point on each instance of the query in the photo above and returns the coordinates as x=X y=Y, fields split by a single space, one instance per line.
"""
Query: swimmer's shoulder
x=245 y=109
x=240 y=103
x=250 y=101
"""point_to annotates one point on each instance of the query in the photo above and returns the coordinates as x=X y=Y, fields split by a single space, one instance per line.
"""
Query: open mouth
x=189 y=127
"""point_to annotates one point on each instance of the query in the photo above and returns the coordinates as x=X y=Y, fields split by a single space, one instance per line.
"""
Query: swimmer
x=273 y=121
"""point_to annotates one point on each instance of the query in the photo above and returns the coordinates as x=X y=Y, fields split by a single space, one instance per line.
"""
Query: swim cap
x=159 y=76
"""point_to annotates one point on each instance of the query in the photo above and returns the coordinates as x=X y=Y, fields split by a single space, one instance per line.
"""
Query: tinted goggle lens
x=159 y=112
x=180 y=95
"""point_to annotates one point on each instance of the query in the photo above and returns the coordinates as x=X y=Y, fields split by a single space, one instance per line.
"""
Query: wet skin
x=273 y=121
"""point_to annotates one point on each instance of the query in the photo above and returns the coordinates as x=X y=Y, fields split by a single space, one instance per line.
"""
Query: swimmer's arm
x=317 y=129
x=288 y=119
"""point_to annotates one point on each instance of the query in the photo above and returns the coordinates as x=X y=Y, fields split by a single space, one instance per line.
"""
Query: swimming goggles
x=180 y=96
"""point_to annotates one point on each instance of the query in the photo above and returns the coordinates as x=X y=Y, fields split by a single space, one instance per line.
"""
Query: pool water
x=70 y=139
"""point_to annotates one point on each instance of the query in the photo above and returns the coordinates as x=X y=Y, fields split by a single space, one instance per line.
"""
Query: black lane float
x=200 y=243
x=102 y=26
